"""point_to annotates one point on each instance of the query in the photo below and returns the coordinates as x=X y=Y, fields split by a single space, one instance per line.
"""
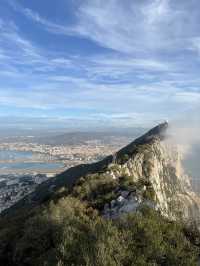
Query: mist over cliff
x=185 y=134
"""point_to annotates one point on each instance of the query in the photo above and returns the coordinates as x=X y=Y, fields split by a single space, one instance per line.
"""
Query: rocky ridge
x=150 y=158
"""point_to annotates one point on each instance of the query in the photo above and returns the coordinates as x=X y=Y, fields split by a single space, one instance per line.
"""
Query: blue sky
x=94 y=63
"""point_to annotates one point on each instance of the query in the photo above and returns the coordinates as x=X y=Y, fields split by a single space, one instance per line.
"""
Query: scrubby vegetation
x=99 y=189
x=67 y=229
x=72 y=233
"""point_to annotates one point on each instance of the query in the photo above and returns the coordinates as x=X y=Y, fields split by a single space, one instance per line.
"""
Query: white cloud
x=144 y=73
x=188 y=97
x=124 y=62
x=129 y=26
x=156 y=11
x=195 y=44
x=48 y=25
x=135 y=26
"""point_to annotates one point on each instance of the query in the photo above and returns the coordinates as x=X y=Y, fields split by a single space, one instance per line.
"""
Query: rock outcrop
x=156 y=160
x=150 y=158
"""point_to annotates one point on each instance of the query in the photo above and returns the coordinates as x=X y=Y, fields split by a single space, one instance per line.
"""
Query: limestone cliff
x=150 y=158
x=159 y=162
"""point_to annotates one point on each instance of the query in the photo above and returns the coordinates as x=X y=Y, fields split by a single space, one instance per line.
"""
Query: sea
x=25 y=160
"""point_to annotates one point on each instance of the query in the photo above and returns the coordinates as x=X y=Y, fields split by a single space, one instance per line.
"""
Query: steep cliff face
x=158 y=162
x=151 y=166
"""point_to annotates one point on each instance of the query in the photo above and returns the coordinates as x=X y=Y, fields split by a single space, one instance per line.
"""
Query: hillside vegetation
x=104 y=214
x=69 y=230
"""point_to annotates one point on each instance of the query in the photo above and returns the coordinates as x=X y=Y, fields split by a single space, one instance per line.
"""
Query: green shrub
x=70 y=233
x=97 y=190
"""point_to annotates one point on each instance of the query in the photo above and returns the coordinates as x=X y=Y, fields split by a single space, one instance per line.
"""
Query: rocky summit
x=135 y=207
x=150 y=160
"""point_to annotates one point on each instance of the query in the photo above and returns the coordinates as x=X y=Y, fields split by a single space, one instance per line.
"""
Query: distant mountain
x=143 y=182
x=75 y=138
